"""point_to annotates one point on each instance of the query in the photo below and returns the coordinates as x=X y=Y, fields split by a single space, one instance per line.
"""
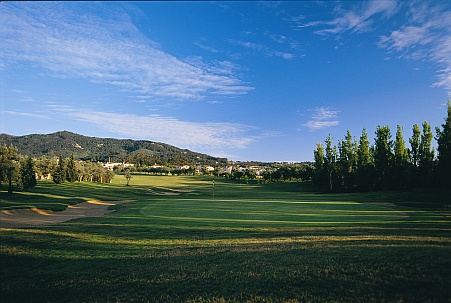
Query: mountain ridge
x=64 y=143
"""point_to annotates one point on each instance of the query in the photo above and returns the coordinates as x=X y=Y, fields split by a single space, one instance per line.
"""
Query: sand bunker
x=38 y=217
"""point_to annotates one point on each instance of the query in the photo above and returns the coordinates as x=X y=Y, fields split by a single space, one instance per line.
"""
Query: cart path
x=37 y=217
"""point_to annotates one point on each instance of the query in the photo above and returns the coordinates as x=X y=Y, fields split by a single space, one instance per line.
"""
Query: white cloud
x=185 y=134
x=107 y=50
x=322 y=117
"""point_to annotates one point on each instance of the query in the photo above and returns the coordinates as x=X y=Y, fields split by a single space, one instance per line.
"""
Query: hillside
x=65 y=143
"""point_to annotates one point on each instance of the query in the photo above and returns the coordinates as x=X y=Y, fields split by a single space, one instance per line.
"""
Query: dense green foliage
x=444 y=150
x=16 y=170
x=388 y=164
x=273 y=242
x=101 y=149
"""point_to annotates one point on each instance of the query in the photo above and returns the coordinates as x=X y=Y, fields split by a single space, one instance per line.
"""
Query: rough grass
x=252 y=243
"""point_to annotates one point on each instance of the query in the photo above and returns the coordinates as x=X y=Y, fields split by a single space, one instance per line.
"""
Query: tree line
x=356 y=165
x=16 y=171
x=275 y=173
x=95 y=149
x=21 y=172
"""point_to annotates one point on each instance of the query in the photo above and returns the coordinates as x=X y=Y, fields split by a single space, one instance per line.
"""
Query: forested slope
x=65 y=143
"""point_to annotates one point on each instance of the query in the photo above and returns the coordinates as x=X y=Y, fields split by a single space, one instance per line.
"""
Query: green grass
x=252 y=243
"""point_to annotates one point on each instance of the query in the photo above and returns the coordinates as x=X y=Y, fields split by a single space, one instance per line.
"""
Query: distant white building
x=209 y=168
x=111 y=165
x=157 y=166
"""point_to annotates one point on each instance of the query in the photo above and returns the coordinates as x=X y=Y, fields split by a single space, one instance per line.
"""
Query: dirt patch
x=38 y=217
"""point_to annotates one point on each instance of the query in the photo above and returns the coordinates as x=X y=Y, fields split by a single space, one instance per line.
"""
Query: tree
x=128 y=176
x=8 y=165
x=426 y=156
x=415 y=153
x=27 y=178
x=364 y=163
x=59 y=175
x=415 y=145
x=383 y=156
x=347 y=160
x=319 y=177
x=444 y=150
x=400 y=160
x=330 y=161
x=71 y=170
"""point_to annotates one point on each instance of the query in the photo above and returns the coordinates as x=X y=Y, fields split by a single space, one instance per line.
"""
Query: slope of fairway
x=251 y=213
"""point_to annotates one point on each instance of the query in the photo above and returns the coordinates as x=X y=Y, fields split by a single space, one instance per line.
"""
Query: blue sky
x=260 y=81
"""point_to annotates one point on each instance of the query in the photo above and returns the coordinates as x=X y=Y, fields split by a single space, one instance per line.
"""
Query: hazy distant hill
x=65 y=143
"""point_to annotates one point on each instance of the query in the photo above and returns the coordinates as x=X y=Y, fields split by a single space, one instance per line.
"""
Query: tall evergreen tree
x=444 y=150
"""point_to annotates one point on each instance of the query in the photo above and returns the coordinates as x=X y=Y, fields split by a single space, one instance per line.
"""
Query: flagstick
x=213 y=190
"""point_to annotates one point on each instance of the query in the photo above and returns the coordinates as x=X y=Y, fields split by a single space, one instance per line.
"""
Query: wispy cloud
x=207 y=48
x=24 y=114
x=357 y=20
x=284 y=40
x=105 y=50
x=424 y=32
x=186 y=134
x=322 y=117
x=263 y=49
x=425 y=36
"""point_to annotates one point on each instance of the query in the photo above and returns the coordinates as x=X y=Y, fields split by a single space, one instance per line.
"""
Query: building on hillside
x=110 y=166
x=156 y=166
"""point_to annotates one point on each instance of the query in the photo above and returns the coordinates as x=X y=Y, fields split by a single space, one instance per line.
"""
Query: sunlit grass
x=251 y=243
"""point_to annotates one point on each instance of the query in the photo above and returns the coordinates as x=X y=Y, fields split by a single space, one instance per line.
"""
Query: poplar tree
x=426 y=156
x=347 y=161
x=444 y=151
x=319 y=165
x=415 y=145
x=383 y=155
x=401 y=159
x=364 y=163
x=330 y=160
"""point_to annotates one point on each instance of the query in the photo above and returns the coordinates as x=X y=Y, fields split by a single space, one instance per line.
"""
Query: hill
x=65 y=143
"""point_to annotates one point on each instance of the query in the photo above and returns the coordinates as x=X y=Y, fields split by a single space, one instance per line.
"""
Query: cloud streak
x=263 y=49
x=357 y=20
x=106 y=50
x=170 y=130
x=322 y=117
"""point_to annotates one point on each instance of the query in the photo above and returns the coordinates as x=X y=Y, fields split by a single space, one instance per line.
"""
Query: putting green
x=248 y=212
